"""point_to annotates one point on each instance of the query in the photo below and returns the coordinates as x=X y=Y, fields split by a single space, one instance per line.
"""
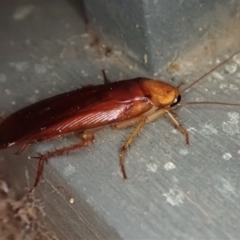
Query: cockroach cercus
x=120 y=104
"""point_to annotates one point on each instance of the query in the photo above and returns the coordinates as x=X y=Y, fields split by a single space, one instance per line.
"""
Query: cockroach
x=120 y=104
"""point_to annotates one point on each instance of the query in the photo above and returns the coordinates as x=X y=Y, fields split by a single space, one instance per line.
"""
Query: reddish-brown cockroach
x=120 y=104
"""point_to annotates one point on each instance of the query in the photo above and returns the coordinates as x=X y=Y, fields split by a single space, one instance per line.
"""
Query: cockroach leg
x=127 y=123
x=150 y=116
x=174 y=114
x=155 y=115
x=39 y=172
x=87 y=139
x=22 y=148
x=178 y=126
x=105 y=78
x=127 y=144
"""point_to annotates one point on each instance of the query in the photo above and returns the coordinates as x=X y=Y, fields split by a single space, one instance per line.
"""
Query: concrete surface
x=156 y=32
x=174 y=191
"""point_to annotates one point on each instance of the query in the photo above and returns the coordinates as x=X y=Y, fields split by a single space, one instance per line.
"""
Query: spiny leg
x=39 y=173
x=127 y=144
x=105 y=78
x=178 y=126
x=22 y=148
x=87 y=139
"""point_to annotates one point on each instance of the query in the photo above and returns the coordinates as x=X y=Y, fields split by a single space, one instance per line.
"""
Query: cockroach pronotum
x=120 y=104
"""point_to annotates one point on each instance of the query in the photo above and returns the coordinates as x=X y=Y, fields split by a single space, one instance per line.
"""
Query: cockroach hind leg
x=39 y=173
x=21 y=149
x=87 y=139
x=105 y=78
x=178 y=126
x=127 y=144
x=121 y=164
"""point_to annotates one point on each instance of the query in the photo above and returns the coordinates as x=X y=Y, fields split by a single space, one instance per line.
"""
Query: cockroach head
x=160 y=93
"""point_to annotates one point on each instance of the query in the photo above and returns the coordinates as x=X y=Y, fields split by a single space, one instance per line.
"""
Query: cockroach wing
x=82 y=109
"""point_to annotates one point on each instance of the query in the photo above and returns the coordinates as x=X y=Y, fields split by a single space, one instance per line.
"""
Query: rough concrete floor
x=173 y=192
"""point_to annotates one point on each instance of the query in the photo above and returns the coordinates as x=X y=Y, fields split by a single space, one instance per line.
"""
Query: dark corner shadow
x=79 y=6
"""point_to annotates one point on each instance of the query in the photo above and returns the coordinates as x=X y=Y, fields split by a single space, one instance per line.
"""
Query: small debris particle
x=225 y=187
x=71 y=200
x=208 y=129
x=183 y=151
x=233 y=87
x=231 y=68
x=218 y=75
x=236 y=59
x=174 y=197
x=22 y=218
x=145 y=57
x=174 y=131
x=152 y=167
x=227 y=156
x=169 y=166
x=232 y=127
x=173 y=67
x=69 y=170
x=33 y=99
x=192 y=129
x=84 y=73
x=222 y=85
x=4 y=186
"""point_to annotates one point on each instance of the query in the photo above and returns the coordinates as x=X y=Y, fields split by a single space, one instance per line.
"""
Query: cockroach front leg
x=174 y=114
x=127 y=144
x=86 y=140
x=150 y=117
x=178 y=126
x=127 y=123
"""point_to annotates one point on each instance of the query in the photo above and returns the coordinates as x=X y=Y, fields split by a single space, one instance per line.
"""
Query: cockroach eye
x=176 y=101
